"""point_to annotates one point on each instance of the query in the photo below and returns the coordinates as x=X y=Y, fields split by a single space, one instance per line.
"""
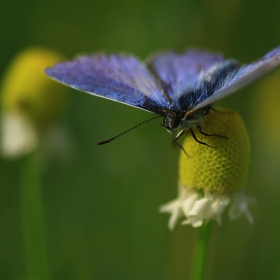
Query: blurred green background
x=101 y=203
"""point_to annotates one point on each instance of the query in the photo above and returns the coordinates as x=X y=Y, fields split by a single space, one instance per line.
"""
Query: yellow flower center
x=222 y=168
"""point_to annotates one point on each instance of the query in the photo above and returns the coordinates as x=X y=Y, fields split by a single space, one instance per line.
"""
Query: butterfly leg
x=218 y=111
x=205 y=134
x=179 y=145
x=215 y=110
x=198 y=141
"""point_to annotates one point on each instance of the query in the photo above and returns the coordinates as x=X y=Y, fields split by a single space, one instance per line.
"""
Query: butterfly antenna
x=111 y=139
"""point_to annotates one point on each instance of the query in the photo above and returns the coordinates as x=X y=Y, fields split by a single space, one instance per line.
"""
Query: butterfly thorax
x=174 y=120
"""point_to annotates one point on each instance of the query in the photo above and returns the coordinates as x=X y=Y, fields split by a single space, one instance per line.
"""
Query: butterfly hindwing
x=243 y=76
x=180 y=73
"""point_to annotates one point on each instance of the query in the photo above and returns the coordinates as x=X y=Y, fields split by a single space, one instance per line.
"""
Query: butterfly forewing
x=121 y=78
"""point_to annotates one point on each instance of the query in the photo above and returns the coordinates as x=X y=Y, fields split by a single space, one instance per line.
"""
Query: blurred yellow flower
x=266 y=115
x=211 y=178
x=30 y=101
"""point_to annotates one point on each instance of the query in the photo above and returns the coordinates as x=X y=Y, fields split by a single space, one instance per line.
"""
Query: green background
x=101 y=203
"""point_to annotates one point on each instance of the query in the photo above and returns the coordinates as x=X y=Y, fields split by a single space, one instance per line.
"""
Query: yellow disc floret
x=223 y=167
x=27 y=91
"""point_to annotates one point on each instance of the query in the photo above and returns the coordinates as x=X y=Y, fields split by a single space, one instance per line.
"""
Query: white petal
x=219 y=203
x=170 y=206
x=189 y=202
x=175 y=217
x=18 y=136
x=193 y=222
x=201 y=207
x=240 y=206
x=223 y=203
x=183 y=192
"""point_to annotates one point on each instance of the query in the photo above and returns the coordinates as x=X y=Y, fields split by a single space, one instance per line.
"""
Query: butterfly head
x=172 y=120
x=175 y=120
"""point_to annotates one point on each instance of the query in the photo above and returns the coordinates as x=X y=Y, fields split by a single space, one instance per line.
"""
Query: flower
x=30 y=101
x=211 y=177
x=266 y=115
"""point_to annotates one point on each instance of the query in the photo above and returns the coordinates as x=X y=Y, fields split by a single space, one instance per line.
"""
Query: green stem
x=201 y=251
x=33 y=219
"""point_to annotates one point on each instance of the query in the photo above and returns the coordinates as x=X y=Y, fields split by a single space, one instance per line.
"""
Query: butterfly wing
x=190 y=81
x=120 y=78
x=243 y=76
x=180 y=73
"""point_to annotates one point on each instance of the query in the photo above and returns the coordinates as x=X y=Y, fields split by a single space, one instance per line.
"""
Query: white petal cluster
x=197 y=207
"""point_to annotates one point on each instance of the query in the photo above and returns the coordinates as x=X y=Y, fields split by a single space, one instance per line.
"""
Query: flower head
x=30 y=101
x=26 y=90
x=211 y=177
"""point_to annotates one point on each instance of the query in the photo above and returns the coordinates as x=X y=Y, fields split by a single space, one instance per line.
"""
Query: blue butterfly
x=178 y=87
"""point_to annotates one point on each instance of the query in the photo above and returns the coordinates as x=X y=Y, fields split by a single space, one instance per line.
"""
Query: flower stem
x=201 y=251
x=33 y=219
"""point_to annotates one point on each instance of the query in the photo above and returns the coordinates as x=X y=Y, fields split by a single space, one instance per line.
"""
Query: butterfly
x=181 y=88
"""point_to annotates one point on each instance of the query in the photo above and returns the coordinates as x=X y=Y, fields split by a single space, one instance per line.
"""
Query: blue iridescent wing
x=180 y=73
x=243 y=76
x=120 y=78
x=188 y=81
